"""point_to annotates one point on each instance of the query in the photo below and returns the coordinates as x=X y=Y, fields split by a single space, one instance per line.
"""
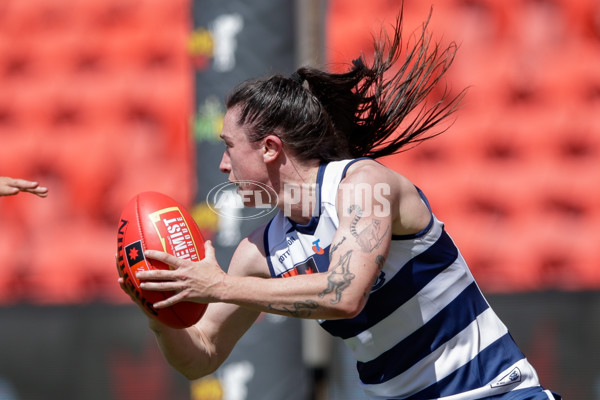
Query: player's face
x=242 y=160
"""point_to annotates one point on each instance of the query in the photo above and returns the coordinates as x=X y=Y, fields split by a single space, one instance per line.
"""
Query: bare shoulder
x=249 y=257
x=372 y=172
x=367 y=167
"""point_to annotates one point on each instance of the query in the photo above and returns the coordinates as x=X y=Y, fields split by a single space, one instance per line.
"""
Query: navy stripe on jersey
x=426 y=339
x=476 y=373
x=311 y=226
x=266 y=247
x=411 y=278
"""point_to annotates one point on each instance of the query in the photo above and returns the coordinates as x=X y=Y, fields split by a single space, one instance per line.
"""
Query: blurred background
x=100 y=100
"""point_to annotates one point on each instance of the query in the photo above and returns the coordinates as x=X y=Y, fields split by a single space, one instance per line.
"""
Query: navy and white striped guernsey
x=426 y=331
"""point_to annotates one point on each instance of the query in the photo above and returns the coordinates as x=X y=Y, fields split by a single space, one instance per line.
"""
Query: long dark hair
x=332 y=116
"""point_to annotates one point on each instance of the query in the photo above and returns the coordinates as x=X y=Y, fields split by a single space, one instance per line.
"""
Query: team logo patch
x=513 y=376
x=316 y=248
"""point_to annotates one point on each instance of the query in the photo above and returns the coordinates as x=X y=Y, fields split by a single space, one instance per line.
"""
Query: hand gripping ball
x=154 y=221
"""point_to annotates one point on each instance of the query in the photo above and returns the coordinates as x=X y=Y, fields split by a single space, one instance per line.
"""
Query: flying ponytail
x=369 y=111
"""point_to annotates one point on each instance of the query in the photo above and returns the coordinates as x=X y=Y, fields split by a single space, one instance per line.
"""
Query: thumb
x=209 y=250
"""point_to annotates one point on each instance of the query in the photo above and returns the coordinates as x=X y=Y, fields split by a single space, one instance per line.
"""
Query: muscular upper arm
x=365 y=208
x=373 y=203
x=393 y=195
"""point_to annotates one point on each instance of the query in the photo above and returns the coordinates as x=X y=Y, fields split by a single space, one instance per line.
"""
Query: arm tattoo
x=301 y=309
x=339 y=278
x=368 y=238
x=335 y=247
x=379 y=260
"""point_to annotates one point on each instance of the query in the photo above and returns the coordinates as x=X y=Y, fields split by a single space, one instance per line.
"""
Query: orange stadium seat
x=580 y=17
x=12 y=235
x=95 y=104
x=501 y=261
x=566 y=255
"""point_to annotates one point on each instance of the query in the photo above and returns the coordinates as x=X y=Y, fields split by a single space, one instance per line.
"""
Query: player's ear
x=272 y=148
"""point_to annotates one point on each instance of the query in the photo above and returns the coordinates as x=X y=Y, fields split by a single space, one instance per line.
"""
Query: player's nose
x=225 y=165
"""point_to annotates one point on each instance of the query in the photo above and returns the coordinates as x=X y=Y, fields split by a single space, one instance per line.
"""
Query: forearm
x=199 y=350
x=186 y=350
x=312 y=296
x=339 y=293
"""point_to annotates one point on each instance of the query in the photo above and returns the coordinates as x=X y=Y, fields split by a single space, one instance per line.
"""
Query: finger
x=6 y=190
x=168 y=302
x=156 y=275
x=41 y=191
x=121 y=282
x=161 y=286
x=164 y=257
x=26 y=186
x=23 y=184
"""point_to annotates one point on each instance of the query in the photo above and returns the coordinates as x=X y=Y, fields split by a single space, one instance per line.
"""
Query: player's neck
x=298 y=194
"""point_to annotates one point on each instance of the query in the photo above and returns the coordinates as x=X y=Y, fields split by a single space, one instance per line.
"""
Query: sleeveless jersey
x=426 y=331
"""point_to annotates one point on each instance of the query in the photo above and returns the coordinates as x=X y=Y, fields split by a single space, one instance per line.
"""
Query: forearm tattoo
x=339 y=278
x=300 y=309
x=379 y=260
x=334 y=247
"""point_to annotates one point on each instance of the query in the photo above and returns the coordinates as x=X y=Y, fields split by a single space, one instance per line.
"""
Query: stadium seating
x=95 y=104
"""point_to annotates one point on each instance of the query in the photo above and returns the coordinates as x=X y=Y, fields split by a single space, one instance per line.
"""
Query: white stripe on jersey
x=402 y=322
x=446 y=359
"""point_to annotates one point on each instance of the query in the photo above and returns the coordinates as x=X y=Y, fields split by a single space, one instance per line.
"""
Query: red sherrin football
x=154 y=221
